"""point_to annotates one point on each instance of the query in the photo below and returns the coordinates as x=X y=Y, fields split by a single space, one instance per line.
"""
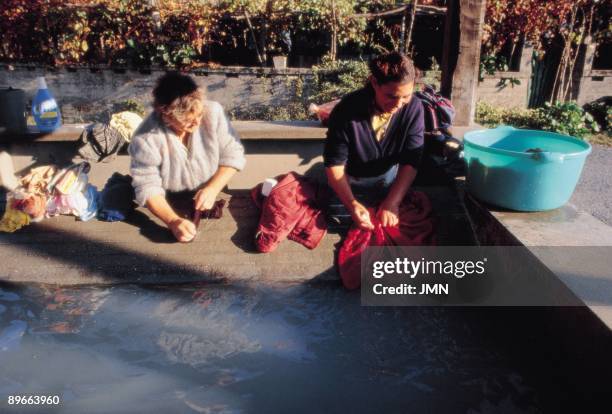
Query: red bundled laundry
x=291 y=210
x=415 y=229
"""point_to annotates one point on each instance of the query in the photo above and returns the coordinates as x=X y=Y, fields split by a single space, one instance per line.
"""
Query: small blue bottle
x=45 y=110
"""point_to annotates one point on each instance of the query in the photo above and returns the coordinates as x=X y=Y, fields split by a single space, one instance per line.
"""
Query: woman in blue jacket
x=375 y=140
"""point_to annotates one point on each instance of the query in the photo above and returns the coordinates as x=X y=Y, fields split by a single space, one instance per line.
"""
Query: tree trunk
x=263 y=37
x=334 y=39
x=247 y=17
x=412 y=17
x=402 y=42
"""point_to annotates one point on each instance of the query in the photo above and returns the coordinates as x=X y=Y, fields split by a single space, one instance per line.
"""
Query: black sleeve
x=414 y=144
x=336 y=148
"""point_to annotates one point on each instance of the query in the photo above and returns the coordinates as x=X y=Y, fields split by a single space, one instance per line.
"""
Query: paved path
x=594 y=191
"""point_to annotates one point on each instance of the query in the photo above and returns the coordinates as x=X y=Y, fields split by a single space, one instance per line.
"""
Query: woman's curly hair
x=177 y=96
x=393 y=67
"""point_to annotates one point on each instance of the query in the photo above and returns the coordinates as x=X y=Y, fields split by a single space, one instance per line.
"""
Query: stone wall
x=594 y=85
x=85 y=94
x=91 y=94
x=498 y=89
x=493 y=90
x=590 y=83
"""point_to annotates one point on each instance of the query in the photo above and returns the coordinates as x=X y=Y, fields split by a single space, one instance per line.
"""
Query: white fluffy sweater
x=160 y=162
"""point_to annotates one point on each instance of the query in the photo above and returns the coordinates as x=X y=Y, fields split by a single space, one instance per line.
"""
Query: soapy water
x=247 y=349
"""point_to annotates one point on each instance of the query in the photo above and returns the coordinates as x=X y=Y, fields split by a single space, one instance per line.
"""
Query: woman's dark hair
x=171 y=86
x=393 y=67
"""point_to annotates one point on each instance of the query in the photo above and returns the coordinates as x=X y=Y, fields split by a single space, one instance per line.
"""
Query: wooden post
x=450 y=50
x=461 y=56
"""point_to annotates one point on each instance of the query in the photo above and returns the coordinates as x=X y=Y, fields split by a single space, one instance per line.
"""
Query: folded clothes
x=37 y=180
x=13 y=220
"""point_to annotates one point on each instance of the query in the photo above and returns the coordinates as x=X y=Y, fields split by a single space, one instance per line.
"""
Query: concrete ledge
x=247 y=130
x=67 y=252
x=280 y=129
x=287 y=130
x=66 y=133
x=577 y=247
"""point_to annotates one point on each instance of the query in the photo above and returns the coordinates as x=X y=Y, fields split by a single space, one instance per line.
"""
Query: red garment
x=33 y=205
x=290 y=210
x=415 y=229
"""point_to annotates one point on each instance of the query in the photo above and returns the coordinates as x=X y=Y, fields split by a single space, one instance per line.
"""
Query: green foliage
x=567 y=118
x=564 y=118
x=116 y=32
x=334 y=79
x=131 y=105
x=290 y=111
x=491 y=64
x=601 y=110
x=492 y=116
x=171 y=33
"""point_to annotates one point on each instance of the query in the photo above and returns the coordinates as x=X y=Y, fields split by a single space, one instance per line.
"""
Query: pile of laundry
x=48 y=191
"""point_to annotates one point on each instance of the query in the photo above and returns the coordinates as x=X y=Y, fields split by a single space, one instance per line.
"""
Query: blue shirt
x=351 y=140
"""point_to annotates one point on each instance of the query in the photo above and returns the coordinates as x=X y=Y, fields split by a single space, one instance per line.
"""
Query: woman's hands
x=205 y=198
x=361 y=216
x=388 y=214
x=183 y=229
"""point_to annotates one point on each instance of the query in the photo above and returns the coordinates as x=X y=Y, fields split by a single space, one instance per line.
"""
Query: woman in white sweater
x=187 y=143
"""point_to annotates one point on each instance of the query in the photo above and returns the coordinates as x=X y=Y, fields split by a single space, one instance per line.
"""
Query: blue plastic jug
x=45 y=110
